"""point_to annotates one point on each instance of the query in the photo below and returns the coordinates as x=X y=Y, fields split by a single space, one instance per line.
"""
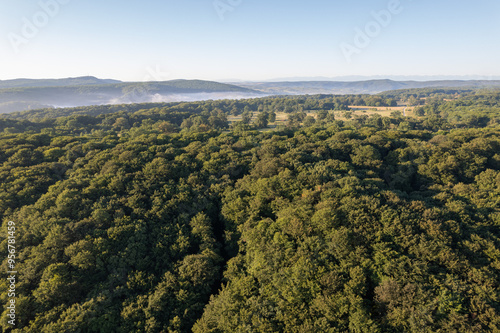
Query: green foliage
x=156 y=220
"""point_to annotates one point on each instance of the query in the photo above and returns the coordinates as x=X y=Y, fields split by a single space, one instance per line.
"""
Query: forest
x=214 y=217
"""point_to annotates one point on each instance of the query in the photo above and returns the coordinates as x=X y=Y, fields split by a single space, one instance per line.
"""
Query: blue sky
x=255 y=40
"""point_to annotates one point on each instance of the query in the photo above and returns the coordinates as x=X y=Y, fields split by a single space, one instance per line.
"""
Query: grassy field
x=382 y=110
x=281 y=117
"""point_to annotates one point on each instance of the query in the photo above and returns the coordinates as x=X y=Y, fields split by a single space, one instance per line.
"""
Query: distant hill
x=75 y=81
x=356 y=78
x=27 y=94
x=358 y=87
x=19 y=98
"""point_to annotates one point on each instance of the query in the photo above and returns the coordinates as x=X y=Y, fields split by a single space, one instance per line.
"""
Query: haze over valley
x=29 y=94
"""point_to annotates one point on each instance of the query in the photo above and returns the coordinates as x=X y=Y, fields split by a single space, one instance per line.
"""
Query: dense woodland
x=170 y=218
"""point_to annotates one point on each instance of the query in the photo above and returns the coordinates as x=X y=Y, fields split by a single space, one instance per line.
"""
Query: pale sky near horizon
x=158 y=40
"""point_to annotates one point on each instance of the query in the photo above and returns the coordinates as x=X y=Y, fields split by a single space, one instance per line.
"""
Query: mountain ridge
x=29 y=94
x=360 y=87
x=71 y=81
x=24 y=97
